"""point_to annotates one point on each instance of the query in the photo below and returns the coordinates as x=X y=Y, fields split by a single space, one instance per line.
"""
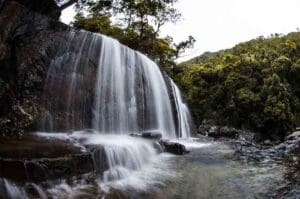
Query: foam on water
x=191 y=143
x=134 y=163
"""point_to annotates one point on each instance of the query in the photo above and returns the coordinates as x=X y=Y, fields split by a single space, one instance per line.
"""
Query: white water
x=13 y=191
x=95 y=82
x=134 y=163
x=95 y=78
x=121 y=71
x=183 y=113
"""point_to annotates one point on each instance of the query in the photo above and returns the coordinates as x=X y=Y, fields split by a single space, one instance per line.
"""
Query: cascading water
x=97 y=83
x=124 y=155
x=128 y=94
x=12 y=190
x=183 y=114
x=130 y=86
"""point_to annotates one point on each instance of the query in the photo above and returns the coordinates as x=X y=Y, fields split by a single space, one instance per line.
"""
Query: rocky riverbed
x=212 y=169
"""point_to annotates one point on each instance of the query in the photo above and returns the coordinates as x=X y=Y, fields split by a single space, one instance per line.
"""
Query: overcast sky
x=220 y=24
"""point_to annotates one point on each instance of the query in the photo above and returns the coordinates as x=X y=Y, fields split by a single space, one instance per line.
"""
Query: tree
x=136 y=24
x=254 y=85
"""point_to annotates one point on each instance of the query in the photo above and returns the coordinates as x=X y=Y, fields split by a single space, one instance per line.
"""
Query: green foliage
x=136 y=24
x=255 y=85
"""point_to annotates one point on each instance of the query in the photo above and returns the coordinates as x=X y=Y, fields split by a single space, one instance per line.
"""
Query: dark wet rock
x=291 y=189
x=293 y=136
x=99 y=158
x=28 y=43
x=204 y=129
x=117 y=194
x=158 y=147
x=291 y=143
x=219 y=131
x=208 y=128
x=173 y=147
x=66 y=167
x=31 y=146
x=14 y=169
x=152 y=134
x=38 y=170
x=135 y=134
x=229 y=132
x=34 y=158
x=45 y=7
x=267 y=149
x=155 y=135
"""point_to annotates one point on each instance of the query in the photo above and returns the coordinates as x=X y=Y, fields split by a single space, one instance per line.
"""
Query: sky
x=221 y=24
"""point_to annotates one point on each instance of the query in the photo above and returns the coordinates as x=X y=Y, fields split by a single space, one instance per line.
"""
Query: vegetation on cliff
x=255 y=85
x=136 y=24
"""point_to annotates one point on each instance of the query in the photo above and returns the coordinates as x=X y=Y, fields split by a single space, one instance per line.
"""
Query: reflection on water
x=210 y=172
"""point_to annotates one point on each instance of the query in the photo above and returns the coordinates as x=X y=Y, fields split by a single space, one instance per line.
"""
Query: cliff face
x=28 y=42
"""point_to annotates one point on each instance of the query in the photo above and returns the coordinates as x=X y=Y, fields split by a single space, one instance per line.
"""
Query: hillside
x=255 y=85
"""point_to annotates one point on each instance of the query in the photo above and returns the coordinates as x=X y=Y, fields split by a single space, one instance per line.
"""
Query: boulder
x=173 y=147
x=215 y=131
x=229 y=132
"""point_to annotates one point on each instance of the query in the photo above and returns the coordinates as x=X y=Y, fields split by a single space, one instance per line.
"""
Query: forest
x=255 y=85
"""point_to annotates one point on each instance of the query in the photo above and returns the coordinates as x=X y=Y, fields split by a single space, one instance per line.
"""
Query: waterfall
x=126 y=81
x=96 y=82
x=124 y=154
x=183 y=113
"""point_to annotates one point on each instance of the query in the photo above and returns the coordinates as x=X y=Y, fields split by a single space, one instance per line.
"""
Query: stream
x=209 y=170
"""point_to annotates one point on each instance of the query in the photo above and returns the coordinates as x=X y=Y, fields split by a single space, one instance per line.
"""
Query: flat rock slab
x=34 y=158
x=32 y=146
x=38 y=170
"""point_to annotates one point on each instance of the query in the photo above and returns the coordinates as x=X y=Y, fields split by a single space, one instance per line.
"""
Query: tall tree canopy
x=135 y=23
